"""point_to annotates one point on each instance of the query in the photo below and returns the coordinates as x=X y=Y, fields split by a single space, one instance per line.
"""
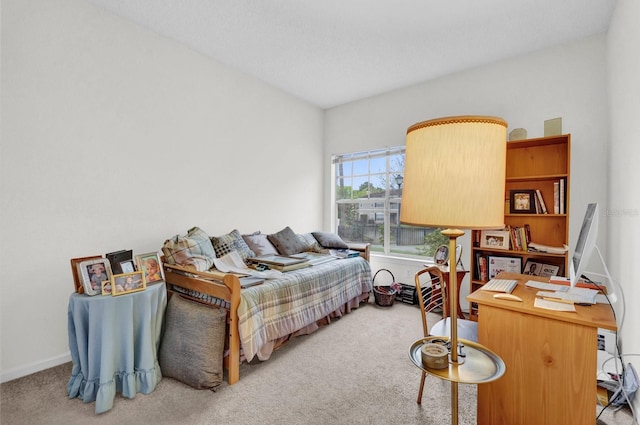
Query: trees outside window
x=368 y=203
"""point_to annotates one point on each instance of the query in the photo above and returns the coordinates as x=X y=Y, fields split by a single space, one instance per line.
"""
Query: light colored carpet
x=355 y=371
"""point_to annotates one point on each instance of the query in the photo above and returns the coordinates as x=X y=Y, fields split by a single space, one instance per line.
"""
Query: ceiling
x=331 y=52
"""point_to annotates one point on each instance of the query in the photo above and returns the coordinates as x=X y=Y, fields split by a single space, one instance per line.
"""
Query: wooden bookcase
x=531 y=164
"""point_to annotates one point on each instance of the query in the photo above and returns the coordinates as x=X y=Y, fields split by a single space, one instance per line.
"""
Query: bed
x=260 y=318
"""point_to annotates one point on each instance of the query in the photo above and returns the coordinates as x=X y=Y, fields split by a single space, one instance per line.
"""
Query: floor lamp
x=454 y=178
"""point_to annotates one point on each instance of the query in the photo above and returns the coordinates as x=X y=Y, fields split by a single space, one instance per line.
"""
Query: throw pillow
x=193 y=250
x=310 y=243
x=259 y=244
x=192 y=347
x=330 y=240
x=232 y=241
x=286 y=241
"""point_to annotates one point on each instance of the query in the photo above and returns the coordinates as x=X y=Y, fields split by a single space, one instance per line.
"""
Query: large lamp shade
x=454 y=175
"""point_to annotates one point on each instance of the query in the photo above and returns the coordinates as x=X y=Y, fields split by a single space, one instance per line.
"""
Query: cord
x=620 y=380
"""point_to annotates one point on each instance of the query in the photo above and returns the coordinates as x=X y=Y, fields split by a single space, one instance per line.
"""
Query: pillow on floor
x=192 y=347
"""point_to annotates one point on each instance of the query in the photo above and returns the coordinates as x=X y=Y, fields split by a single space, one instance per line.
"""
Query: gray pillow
x=259 y=244
x=192 y=347
x=286 y=241
x=330 y=240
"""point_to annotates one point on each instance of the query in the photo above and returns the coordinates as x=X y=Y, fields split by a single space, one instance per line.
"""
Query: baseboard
x=19 y=372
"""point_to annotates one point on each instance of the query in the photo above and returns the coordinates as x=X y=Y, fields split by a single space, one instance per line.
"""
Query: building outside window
x=368 y=202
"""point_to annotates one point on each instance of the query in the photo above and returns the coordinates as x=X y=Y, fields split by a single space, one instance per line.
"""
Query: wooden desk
x=550 y=359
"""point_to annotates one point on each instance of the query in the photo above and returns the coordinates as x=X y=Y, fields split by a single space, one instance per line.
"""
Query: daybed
x=262 y=317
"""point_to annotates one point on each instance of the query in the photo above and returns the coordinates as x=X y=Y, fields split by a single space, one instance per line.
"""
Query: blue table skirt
x=114 y=344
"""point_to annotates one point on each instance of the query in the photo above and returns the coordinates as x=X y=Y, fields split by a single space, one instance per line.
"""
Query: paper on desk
x=576 y=295
x=232 y=263
x=553 y=305
x=546 y=286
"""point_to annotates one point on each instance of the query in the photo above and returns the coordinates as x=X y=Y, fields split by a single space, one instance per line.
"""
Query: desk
x=114 y=344
x=550 y=358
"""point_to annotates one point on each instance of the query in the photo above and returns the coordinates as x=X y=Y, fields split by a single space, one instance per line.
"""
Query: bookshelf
x=532 y=164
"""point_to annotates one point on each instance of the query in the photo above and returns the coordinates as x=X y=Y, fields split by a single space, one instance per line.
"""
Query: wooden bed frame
x=225 y=287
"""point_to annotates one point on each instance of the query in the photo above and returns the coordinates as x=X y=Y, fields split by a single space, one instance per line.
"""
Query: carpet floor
x=354 y=371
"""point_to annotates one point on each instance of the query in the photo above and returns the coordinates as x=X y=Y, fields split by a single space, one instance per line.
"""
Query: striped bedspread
x=299 y=298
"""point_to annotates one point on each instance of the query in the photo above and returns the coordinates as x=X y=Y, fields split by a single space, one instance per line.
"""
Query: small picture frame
x=106 y=287
x=522 y=201
x=75 y=271
x=494 y=239
x=498 y=265
x=119 y=257
x=94 y=273
x=127 y=266
x=151 y=265
x=126 y=283
x=532 y=268
x=441 y=256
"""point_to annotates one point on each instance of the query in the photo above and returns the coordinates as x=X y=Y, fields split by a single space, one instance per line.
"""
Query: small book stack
x=278 y=262
x=344 y=253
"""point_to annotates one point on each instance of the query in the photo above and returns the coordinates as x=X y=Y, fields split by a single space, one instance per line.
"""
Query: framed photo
x=534 y=268
x=75 y=271
x=522 y=201
x=126 y=283
x=494 y=239
x=503 y=264
x=127 y=266
x=117 y=258
x=151 y=266
x=441 y=256
x=106 y=287
x=94 y=273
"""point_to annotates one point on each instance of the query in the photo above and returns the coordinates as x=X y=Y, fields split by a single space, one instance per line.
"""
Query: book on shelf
x=537 y=247
x=520 y=237
x=556 y=197
x=562 y=196
x=543 y=206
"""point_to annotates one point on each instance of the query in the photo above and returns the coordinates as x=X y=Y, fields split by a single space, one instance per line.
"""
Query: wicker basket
x=384 y=295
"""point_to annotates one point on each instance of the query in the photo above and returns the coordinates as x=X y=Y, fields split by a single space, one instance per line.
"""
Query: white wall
x=567 y=81
x=623 y=204
x=114 y=137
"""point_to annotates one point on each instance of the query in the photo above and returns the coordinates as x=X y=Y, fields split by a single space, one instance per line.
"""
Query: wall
x=114 y=137
x=623 y=205
x=567 y=81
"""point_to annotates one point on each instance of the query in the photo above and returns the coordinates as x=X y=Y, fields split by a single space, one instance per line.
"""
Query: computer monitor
x=585 y=245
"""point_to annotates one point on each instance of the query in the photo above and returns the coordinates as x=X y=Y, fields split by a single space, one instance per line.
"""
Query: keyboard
x=500 y=285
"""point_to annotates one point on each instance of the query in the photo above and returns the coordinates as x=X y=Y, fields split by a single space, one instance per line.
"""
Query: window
x=368 y=202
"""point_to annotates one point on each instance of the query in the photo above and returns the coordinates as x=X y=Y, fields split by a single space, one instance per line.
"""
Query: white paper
x=552 y=305
x=546 y=286
x=232 y=263
x=580 y=296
